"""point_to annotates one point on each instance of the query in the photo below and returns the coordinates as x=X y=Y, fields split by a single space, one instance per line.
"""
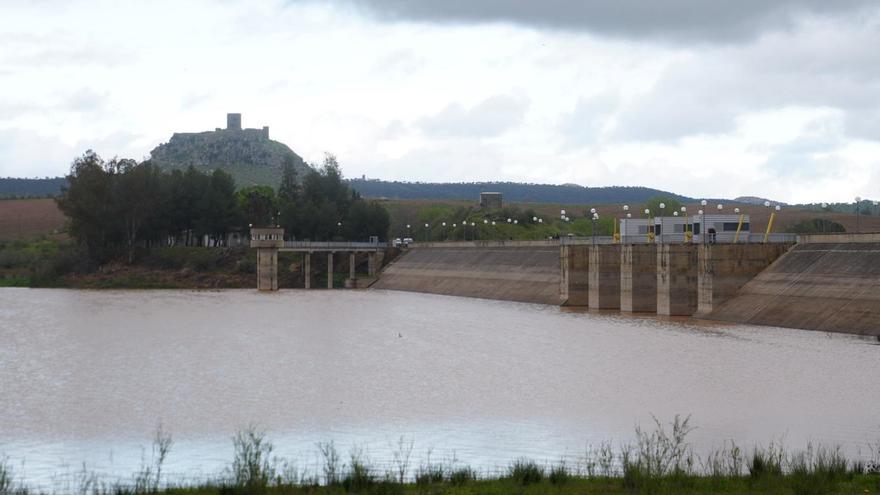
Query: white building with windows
x=721 y=228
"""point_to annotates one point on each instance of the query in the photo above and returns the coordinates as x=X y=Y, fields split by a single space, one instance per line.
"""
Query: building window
x=696 y=228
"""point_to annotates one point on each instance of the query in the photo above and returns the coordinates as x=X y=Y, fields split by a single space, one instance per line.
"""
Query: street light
x=595 y=219
x=662 y=216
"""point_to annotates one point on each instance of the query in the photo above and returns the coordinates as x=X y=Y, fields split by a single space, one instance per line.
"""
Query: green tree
x=288 y=190
x=817 y=226
x=87 y=201
x=258 y=205
x=671 y=205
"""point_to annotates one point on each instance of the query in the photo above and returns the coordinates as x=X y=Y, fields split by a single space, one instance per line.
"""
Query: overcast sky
x=704 y=98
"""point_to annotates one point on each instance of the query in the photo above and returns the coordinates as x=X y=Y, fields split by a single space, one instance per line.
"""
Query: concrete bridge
x=827 y=283
x=270 y=241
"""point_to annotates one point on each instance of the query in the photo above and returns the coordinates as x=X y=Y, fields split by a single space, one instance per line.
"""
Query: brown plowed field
x=28 y=218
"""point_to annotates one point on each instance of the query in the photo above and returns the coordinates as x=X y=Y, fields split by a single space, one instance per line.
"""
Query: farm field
x=29 y=218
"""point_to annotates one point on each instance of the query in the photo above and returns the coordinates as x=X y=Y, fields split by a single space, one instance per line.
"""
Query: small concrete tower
x=233 y=121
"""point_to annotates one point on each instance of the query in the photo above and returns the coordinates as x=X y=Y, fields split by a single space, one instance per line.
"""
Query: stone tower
x=233 y=121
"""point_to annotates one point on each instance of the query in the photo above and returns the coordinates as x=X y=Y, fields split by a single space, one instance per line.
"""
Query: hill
x=31 y=188
x=247 y=154
x=513 y=192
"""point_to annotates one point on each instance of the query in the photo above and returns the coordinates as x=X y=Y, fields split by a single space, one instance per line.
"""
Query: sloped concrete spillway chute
x=525 y=272
x=818 y=285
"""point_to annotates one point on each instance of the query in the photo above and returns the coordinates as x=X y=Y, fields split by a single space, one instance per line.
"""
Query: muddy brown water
x=86 y=376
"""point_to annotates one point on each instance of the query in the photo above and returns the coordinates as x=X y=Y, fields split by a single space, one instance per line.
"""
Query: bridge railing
x=676 y=238
x=333 y=246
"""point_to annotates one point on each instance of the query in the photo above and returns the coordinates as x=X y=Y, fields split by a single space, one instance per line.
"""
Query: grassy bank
x=660 y=461
x=54 y=263
x=47 y=262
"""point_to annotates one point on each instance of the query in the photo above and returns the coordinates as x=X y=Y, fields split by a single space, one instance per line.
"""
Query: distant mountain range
x=516 y=192
x=513 y=191
x=31 y=188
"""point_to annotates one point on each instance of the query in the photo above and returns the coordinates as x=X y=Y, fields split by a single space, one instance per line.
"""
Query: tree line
x=118 y=206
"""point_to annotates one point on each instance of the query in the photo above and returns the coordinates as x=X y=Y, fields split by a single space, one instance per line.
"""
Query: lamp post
x=427 y=232
x=648 y=223
x=686 y=221
x=624 y=225
x=595 y=219
x=703 y=229
x=473 y=231
x=662 y=222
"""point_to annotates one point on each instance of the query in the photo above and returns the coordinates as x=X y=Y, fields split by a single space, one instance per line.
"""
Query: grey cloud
x=85 y=100
x=708 y=20
x=489 y=118
x=796 y=160
x=25 y=153
x=828 y=64
x=584 y=125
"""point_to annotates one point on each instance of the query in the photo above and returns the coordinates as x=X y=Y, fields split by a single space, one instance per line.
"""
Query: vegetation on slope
x=245 y=155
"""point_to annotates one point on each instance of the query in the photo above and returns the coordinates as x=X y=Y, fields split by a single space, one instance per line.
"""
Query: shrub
x=526 y=471
x=559 y=474
x=462 y=476
x=252 y=468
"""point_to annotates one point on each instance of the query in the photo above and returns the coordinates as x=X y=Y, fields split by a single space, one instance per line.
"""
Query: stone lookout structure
x=233 y=124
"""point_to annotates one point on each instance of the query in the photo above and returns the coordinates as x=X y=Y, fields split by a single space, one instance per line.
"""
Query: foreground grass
x=659 y=461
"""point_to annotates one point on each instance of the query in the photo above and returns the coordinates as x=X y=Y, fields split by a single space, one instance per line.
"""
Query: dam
x=823 y=282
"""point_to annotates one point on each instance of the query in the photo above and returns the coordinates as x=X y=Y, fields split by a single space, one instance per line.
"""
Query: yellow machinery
x=739 y=228
x=769 y=226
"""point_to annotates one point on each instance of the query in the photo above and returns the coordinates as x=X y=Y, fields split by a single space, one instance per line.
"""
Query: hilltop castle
x=247 y=154
x=233 y=127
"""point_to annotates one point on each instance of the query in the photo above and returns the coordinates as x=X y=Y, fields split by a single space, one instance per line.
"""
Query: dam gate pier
x=270 y=241
x=670 y=279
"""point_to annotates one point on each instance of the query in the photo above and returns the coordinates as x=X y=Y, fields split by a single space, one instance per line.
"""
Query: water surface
x=86 y=376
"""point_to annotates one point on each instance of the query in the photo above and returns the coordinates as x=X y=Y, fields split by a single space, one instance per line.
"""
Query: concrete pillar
x=604 y=276
x=676 y=279
x=330 y=270
x=351 y=265
x=724 y=268
x=371 y=264
x=638 y=278
x=307 y=270
x=267 y=269
x=575 y=275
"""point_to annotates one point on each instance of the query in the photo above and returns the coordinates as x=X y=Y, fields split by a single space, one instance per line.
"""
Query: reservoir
x=86 y=377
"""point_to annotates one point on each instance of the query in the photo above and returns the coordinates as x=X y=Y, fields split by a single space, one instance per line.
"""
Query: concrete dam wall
x=828 y=286
x=527 y=273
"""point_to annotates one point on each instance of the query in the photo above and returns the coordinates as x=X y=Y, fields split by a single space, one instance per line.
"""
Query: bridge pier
x=307 y=270
x=267 y=269
x=330 y=270
x=604 y=276
x=351 y=266
x=575 y=276
x=638 y=278
x=676 y=279
x=371 y=264
x=267 y=241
